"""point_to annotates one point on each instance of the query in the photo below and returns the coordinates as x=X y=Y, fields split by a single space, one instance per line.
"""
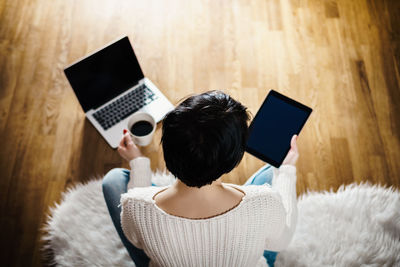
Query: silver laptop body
x=110 y=87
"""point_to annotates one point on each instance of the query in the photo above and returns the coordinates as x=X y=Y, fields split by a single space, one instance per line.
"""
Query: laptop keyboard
x=124 y=106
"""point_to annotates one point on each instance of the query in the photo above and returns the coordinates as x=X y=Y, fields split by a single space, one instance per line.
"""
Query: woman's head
x=204 y=137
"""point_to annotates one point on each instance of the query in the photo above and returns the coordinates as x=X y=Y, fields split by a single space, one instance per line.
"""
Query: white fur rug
x=358 y=225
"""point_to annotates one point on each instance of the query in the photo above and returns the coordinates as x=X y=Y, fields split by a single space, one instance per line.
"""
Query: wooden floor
x=341 y=57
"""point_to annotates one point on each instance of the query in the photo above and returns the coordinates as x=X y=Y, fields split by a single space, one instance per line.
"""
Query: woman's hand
x=127 y=149
x=293 y=154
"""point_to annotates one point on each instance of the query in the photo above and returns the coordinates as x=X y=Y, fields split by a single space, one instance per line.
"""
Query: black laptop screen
x=105 y=74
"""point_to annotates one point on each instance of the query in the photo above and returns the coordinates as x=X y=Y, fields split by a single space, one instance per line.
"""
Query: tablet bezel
x=290 y=101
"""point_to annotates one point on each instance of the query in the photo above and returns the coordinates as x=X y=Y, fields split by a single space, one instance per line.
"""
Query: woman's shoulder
x=256 y=191
x=143 y=194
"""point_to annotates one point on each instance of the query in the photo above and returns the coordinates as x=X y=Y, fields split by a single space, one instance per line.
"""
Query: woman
x=198 y=220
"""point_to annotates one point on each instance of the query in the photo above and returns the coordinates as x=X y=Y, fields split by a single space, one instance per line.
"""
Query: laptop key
x=124 y=106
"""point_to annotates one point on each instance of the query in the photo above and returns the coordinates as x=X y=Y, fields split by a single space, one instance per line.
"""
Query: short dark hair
x=204 y=137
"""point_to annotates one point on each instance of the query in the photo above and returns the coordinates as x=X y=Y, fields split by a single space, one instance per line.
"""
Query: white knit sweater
x=265 y=219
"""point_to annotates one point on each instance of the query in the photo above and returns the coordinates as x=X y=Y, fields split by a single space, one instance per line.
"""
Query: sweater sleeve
x=127 y=222
x=284 y=183
x=140 y=172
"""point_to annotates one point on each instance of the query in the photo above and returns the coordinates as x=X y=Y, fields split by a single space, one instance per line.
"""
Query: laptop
x=110 y=86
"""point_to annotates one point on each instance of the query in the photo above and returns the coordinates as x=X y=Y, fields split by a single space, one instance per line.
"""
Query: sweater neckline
x=220 y=215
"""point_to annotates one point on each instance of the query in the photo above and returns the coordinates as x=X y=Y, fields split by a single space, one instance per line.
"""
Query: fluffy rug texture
x=79 y=230
x=358 y=225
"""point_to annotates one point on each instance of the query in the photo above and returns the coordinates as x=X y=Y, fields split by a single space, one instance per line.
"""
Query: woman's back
x=237 y=237
x=220 y=200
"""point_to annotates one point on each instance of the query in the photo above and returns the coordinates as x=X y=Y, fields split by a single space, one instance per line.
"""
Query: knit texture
x=265 y=219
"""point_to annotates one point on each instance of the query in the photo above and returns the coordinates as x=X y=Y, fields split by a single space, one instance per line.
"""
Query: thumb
x=293 y=143
x=129 y=142
x=127 y=138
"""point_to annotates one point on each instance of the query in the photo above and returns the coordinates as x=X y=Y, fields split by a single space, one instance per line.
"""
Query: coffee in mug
x=141 y=126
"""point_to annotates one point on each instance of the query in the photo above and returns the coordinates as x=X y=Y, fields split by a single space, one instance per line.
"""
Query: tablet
x=271 y=130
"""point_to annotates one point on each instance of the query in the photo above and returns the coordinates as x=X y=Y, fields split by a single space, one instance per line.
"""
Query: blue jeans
x=115 y=183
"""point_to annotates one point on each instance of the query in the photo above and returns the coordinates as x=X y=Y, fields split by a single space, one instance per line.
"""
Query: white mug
x=143 y=140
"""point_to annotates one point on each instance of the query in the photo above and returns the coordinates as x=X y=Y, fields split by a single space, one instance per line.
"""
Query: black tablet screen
x=278 y=119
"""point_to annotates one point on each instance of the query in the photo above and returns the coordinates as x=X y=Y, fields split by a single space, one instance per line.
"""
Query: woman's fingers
x=122 y=142
x=126 y=140
x=293 y=143
x=127 y=149
x=293 y=155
